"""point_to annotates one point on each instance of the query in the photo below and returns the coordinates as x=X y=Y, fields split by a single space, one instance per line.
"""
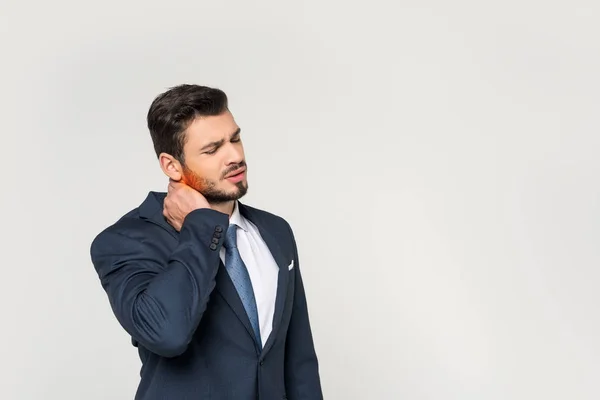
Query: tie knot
x=231 y=237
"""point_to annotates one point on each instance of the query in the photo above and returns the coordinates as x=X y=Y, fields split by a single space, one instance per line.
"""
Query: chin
x=223 y=196
x=237 y=187
x=240 y=192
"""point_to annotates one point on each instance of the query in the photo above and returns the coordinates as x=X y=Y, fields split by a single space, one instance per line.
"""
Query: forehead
x=204 y=130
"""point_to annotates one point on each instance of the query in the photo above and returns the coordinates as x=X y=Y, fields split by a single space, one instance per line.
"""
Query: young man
x=209 y=289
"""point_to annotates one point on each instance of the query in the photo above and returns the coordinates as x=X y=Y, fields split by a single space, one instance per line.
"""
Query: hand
x=180 y=201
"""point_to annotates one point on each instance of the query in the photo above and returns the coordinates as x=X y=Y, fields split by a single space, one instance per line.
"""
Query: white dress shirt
x=262 y=268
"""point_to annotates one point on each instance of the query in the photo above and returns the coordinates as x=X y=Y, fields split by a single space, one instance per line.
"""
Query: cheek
x=193 y=180
x=213 y=172
x=207 y=173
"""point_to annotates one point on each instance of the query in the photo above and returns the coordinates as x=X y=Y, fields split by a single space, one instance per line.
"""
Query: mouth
x=236 y=175
x=236 y=172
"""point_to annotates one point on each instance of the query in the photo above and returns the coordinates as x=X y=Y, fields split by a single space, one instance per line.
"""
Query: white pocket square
x=291 y=265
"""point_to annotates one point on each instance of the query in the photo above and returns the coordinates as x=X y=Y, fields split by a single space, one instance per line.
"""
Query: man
x=209 y=289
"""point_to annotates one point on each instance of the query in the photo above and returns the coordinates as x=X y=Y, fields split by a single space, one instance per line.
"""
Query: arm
x=302 y=381
x=159 y=301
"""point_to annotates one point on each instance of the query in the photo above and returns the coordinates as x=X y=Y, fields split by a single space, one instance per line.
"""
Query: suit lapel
x=282 y=284
x=227 y=290
x=282 y=261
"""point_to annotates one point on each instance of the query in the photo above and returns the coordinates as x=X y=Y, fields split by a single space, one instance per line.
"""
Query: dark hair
x=172 y=112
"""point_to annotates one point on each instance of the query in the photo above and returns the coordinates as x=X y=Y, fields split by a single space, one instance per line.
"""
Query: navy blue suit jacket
x=171 y=293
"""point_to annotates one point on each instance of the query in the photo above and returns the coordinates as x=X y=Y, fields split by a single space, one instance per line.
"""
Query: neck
x=225 y=208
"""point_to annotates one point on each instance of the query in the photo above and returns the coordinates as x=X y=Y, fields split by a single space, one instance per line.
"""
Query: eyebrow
x=219 y=143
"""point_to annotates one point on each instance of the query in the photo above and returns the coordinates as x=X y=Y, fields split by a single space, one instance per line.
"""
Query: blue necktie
x=241 y=279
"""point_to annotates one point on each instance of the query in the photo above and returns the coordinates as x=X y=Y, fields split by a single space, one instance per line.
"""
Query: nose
x=235 y=153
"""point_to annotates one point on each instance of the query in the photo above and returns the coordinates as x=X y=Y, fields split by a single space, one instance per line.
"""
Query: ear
x=170 y=166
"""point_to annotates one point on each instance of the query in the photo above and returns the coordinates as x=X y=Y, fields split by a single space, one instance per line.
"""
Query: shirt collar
x=237 y=218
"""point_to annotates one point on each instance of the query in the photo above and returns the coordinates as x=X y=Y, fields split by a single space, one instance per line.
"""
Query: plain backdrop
x=438 y=161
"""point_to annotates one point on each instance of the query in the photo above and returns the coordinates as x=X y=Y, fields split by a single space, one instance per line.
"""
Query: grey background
x=437 y=160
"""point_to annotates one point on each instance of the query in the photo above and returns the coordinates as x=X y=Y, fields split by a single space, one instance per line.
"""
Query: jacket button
x=215 y=240
x=219 y=229
x=213 y=246
x=261 y=363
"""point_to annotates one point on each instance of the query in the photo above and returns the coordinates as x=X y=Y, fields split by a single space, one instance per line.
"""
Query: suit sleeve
x=302 y=379
x=160 y=300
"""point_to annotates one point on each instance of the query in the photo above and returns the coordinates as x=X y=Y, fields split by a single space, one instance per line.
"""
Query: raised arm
x=160 y=298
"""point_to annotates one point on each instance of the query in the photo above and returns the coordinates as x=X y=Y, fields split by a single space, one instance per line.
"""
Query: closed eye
x=215 y=146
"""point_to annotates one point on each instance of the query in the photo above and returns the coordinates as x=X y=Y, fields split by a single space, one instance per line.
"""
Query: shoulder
x=127 y=228
x=129 y=224
x=133 y=226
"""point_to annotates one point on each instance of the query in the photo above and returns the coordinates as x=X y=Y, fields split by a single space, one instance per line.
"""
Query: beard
x=208 y=188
